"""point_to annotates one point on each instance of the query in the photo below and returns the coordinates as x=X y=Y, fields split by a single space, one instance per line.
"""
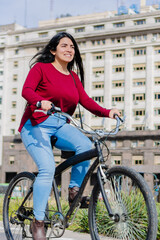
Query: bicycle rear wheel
x=18 y=207
x=132 y=203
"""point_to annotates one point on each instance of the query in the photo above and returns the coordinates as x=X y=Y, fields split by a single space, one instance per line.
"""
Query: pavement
x=68 y=235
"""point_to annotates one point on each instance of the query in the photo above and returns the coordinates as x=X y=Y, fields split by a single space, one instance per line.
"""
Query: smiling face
x=65 y=51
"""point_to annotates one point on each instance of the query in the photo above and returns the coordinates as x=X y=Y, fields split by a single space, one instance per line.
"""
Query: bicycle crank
x=57 y=225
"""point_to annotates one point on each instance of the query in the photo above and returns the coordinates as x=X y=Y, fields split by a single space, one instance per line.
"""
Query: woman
x=51 y=80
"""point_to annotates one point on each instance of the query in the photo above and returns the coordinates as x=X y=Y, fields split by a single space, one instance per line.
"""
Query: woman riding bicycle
x=51 y=80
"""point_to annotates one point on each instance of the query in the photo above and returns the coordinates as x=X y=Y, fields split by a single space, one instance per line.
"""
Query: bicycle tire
x=15 y=225
x=131 y=200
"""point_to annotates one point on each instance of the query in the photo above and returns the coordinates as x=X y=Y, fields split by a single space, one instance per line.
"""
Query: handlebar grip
x=116 y=116
x=53 y=109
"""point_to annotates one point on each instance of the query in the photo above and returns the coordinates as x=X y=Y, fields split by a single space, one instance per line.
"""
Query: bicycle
x=121 y=205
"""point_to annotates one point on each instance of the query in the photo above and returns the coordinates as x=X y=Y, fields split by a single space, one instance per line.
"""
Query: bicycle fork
x=101 y=180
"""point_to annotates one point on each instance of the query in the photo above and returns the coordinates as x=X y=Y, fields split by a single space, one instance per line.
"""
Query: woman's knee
x=46 y=171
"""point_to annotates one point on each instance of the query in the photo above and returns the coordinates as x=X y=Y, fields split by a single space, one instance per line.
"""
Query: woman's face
x=65 y=51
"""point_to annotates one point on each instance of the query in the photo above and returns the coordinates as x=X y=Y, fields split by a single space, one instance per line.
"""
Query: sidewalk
x=68 y=235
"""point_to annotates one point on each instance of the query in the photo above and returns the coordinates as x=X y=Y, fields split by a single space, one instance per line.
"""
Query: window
x=139 y=112
x=118 y=40
x=157 y=65
x=16 y=38
x=116 y=160
x=82 y=44
x=113 y=144
x=97 y=72
x=137 y=160
x=43 y=34
x=99 y=42
x=97 y=85
x=13 y=118
x=139 y=97
x=139 y=67
x=1 y=73
x=156 y=143
x=116 y=69
x=139 y=52
x=138 y=127
x=79 y=30
x=118 y=84
x=157 y=81
x=119 y=24
x=0 y=117
x=0 y=100
x=138 y=38
x=12 y=146
x=15 y=77
x=157 y=111
x=157 y=50
x=11 y=159
x=14 y=90
x=99 y=27
x=157 y=96
x=12 y=131
x=99 y=99
x=139 y=82
x=15 y=64
x=157 y=159
x=16 y=51
x=118 y=98
x=118 y=54
x=157 y=126
x=98 y=56
x=14 y=104
x=157 y=20
x=140 y=22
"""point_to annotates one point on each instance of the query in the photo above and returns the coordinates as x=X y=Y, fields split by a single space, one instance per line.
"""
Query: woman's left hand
x=113 y=112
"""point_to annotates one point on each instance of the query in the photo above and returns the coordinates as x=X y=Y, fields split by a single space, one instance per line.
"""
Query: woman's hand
x=113 y=112
x=46 y=105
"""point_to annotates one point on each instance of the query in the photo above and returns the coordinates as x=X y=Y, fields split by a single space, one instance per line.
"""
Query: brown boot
x=37 y=230
x=72 y=194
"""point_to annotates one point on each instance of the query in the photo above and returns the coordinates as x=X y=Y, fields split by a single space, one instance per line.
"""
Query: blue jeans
x=37 y=142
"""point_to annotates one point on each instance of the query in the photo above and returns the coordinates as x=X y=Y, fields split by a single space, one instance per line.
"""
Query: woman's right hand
x=46 y=105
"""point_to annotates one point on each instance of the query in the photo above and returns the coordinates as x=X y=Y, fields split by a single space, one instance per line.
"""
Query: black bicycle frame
x=96 y=152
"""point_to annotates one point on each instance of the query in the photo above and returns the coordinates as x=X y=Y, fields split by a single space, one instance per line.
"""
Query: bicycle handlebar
x=100 y=132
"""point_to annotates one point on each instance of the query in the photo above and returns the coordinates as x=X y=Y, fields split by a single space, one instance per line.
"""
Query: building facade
x=121 y=56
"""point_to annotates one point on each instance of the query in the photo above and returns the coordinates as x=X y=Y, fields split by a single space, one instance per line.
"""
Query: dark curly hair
x=46 y=56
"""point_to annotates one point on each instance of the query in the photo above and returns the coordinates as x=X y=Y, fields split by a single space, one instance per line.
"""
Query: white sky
x=14 y=10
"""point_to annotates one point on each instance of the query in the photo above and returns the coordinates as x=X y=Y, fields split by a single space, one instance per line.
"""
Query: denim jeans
x=37 y=142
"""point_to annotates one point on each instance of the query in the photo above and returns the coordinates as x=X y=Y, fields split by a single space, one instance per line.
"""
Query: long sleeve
x=29 y=88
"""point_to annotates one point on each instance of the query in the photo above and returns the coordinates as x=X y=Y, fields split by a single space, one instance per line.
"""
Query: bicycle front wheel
x=132 y=205
x=18 y=207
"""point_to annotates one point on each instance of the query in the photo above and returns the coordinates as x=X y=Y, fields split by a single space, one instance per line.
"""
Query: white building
x=121 y=56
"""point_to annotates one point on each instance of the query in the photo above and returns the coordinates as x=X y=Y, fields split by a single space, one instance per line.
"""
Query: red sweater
x=45 y=82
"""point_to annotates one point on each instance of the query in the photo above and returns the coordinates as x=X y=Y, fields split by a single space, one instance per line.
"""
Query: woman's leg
x=37 y=143
x=71 y=139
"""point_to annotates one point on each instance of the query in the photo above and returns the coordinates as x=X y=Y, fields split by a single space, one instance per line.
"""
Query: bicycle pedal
x=85 y=202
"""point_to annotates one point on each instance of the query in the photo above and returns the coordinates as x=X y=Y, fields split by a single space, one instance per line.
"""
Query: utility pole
x=51 y=8
x=25 y=13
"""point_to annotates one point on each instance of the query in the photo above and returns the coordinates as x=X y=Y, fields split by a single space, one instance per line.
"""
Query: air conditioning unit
x=132 y=41
x=114 y=103
x=153 y=39
x=135 y=102
x=137 y=118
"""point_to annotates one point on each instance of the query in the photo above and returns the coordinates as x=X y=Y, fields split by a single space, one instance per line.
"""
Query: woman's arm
x=29 y=88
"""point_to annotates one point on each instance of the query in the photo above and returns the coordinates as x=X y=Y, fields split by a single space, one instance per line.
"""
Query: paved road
x=68 y=235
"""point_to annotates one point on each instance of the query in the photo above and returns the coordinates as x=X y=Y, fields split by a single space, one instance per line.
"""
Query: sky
x=29 y=12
